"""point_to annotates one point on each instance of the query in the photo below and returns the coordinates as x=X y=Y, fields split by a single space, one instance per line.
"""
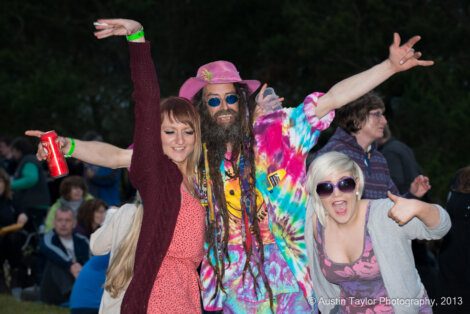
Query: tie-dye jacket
x=283 y=139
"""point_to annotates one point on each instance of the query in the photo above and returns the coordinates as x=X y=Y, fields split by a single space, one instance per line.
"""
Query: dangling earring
x=357 y=195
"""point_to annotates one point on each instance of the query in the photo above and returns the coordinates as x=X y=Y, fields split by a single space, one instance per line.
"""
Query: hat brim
x=193 y=85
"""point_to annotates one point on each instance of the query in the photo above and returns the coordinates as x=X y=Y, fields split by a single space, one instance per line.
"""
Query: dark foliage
x=55 y=74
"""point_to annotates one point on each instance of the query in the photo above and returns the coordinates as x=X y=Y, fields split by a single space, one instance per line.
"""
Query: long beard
x=217 y=136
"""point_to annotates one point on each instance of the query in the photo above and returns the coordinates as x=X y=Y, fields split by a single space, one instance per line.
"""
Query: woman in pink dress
x=170 y=243
x=155 y=248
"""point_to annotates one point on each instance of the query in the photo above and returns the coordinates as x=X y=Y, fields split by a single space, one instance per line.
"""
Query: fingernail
x=401 y=62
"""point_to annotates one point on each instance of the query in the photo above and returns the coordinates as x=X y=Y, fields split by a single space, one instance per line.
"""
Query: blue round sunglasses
x=215 y=101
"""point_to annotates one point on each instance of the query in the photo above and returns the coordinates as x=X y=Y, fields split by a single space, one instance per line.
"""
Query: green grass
x=8 y=305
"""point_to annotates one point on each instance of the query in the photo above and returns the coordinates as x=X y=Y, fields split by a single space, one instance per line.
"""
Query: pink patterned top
x=176 y=288
x=362 y=286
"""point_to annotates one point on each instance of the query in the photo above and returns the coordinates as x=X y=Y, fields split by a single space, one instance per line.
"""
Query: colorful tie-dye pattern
x=233 y=197
x=283 y=139
x=240 y=296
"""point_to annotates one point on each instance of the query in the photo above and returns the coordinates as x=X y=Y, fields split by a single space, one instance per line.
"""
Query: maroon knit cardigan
x=157 y=179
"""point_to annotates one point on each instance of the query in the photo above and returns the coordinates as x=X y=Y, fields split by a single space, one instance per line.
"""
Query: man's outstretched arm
x=401 y=58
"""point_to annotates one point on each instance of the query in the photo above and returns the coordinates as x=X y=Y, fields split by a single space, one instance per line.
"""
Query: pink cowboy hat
x=217 y=72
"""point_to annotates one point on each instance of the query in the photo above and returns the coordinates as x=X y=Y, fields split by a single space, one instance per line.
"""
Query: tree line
x=55 y=74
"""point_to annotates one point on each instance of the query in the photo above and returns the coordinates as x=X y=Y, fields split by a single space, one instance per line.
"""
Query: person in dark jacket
x=65 y=253
x=29 y=186
x=10 y=242
x=454 y=256
x=400 y=159
x=6 y=159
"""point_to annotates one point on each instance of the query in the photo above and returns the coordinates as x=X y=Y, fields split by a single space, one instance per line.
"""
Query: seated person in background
x=90 y=216
x=360 y=249
x=64 y=252
x=73 y=192
x=6 y=157
x=10 y=242
x=29 y=185
x=88 y=288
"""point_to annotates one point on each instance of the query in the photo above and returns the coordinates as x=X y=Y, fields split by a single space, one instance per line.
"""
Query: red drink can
x=55 y=160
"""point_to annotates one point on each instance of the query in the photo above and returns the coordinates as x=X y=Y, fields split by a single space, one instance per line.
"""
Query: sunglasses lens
x=324 y=189
x=347 y=185
x=231 y=99
x=213 y=102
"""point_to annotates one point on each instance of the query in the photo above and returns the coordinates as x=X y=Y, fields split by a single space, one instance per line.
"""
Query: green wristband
x=136 y=35
x=72 y=148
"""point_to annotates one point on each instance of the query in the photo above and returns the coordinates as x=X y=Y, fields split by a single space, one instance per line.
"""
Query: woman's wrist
x=66 y=144
x=424 y=210
x=136 y=36
x=71 y=149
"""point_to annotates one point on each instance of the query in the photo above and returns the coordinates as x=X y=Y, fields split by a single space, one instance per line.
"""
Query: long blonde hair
x=121 y=268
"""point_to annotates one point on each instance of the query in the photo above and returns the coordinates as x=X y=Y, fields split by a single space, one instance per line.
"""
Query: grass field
x=8 y=305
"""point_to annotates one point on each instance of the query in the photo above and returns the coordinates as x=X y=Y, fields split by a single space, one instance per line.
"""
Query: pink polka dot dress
x=176 y=288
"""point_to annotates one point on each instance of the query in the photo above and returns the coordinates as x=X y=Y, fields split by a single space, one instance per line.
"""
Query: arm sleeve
x=155 y=176
x=29 y=177
x=415 y=228
x=306 y=126
x=148 y=164
x=101 y=239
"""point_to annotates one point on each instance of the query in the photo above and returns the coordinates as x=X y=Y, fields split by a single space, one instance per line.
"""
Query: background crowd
x=46 y=224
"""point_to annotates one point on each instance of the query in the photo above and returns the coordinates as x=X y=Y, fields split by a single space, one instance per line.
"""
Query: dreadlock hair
x=240 y=135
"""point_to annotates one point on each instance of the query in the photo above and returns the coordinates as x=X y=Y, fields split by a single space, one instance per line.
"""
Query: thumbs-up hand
x=404 y=209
